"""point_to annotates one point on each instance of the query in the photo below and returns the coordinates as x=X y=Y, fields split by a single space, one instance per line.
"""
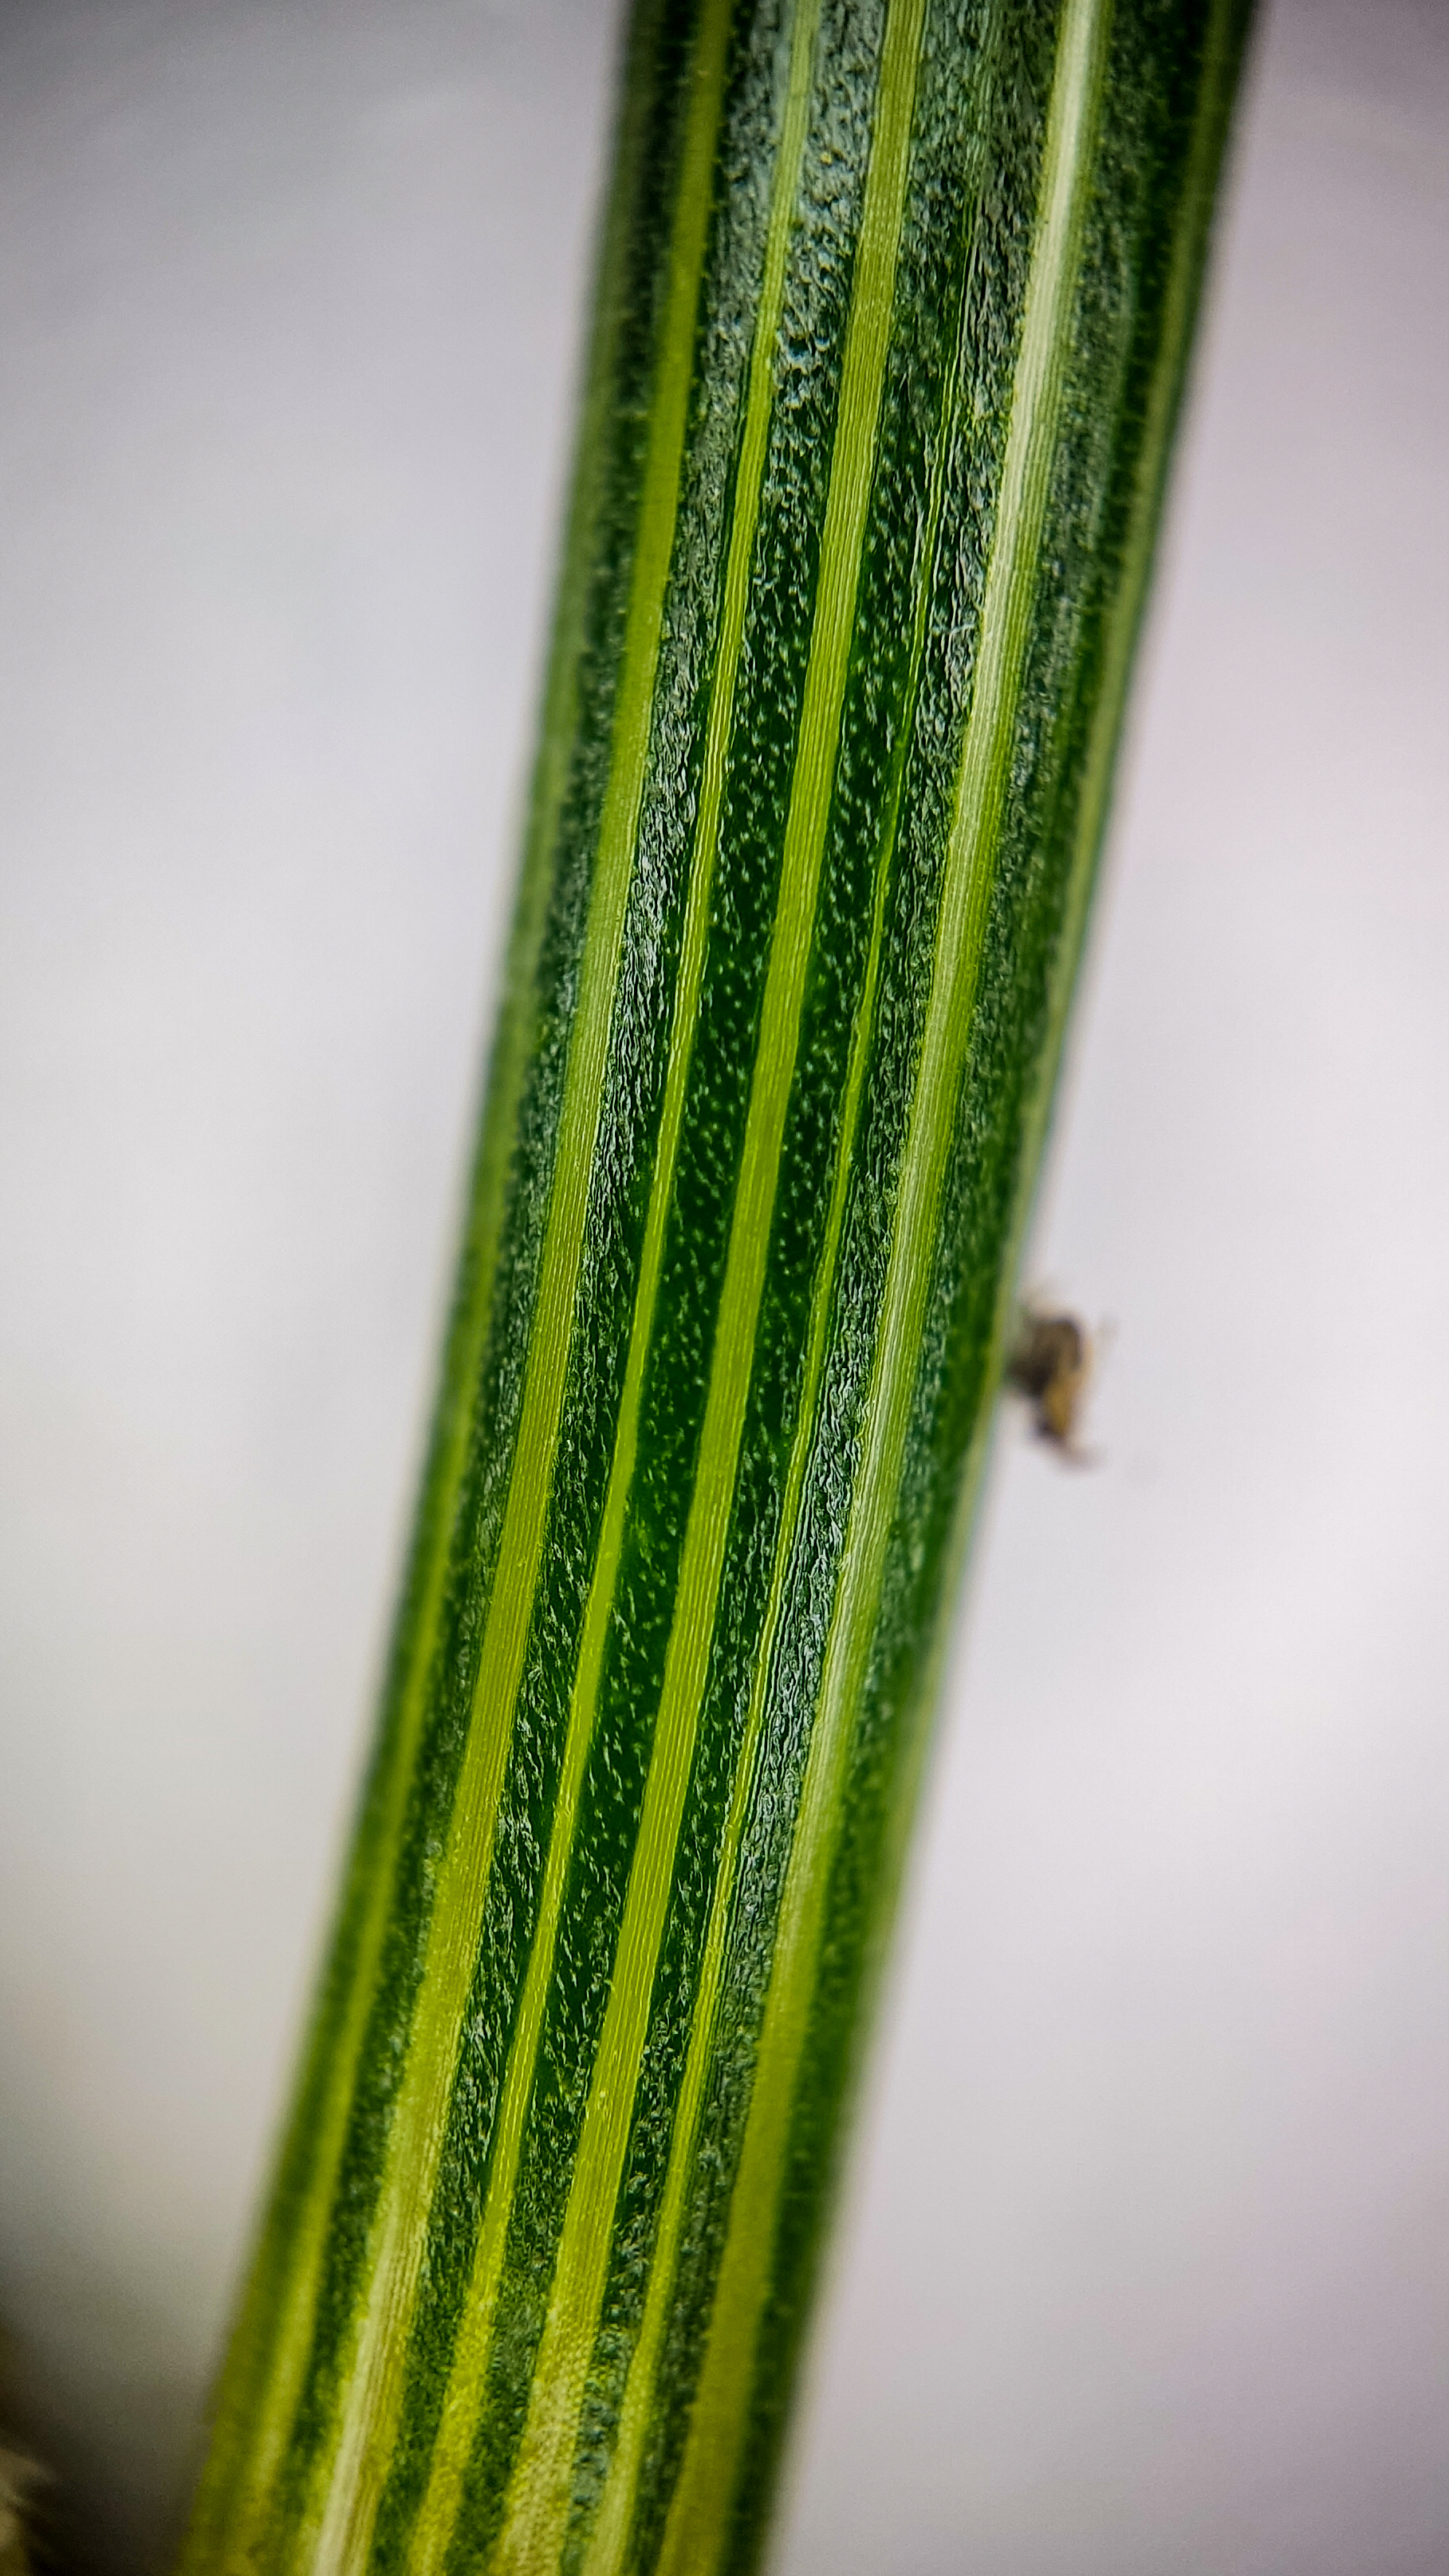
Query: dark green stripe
x=698 y=2533
x=469 y=2354
x=765 y=730
x=350 y=2468
x=970 y=118
x=541 y=2491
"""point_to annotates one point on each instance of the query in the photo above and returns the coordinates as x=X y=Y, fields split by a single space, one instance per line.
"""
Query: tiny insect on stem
x=1051 y=1364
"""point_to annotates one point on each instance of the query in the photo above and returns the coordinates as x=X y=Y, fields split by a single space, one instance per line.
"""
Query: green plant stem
x=894 y=302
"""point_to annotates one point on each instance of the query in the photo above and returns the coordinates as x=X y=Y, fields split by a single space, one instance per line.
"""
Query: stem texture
x=893 y=308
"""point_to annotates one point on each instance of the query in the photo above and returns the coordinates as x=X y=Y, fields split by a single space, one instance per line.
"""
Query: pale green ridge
x=240 y=2516
x=1199 y=189
x=435 y=2523
x=291 y=2335
x=350 y=2471
x=609 y=2540
x=540 y=2492
x=698 y=2530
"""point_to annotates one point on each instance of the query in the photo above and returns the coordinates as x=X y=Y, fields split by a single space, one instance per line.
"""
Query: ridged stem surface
x=893 y=304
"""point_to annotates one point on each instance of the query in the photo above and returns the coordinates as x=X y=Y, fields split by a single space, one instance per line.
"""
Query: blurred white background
x=1145 y=2264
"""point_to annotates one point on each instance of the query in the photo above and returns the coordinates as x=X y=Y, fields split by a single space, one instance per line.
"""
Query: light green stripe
x=540 y=2494
x=1198 y=191
x=434 y=2527
x=1199 y=188
x=291 y=2336
x=242 y=2514
x=347 y=2484
x=697 y=2532
x=609 y=2541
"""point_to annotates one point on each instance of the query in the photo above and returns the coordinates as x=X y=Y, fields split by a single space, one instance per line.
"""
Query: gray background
x=1146 y=2261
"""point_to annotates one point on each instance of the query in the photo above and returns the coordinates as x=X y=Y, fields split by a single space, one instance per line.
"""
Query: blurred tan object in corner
x=18 y=2476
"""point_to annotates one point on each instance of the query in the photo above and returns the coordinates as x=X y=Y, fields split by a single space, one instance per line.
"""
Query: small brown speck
x=1050 y=1364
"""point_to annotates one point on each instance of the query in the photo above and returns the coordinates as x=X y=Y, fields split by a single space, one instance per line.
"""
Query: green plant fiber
x=893 y=306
